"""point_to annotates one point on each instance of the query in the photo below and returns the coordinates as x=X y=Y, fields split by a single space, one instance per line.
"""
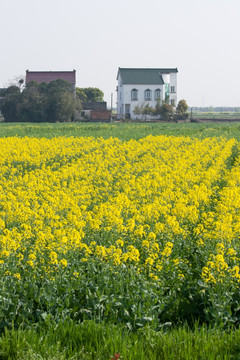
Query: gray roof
x=144 y=76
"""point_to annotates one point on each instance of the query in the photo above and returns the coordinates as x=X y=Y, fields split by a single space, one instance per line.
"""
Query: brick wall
x=100 y=115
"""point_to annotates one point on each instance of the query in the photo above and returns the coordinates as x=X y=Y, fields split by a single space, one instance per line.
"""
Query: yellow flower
x=63 y=262
x=17 y=276
x=153 y=276
x=181 y=276
x=231 y=252
x=31 y=263
x=32 y=256
x=176 y=262
x=149 y=261
x=145 y=244
x=53 y=258
x=167 y=250
x=151 y=236
x=5 y=253
x=120 y=242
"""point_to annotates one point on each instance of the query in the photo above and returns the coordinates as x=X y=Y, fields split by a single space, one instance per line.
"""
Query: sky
x=96 y=37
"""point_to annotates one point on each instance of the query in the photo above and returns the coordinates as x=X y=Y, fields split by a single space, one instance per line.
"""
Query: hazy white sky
x=95 y=37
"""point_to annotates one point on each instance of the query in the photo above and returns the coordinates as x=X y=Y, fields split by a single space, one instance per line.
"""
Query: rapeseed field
x=135 y=232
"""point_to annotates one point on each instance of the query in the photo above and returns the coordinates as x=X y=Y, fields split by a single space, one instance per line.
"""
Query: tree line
x=52 y=102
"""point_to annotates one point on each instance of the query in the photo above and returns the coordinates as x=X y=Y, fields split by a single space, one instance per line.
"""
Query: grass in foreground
x=89 y=340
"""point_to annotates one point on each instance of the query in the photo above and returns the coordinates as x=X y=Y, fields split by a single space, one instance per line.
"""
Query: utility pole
x=111 y=106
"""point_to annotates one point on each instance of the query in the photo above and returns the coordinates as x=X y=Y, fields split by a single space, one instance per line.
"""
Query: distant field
x=216 y=115
x=123 y=131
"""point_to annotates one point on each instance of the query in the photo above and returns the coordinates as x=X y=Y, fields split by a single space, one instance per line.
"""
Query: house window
x=134 y=94
x=172 y=102
x=172 y=88
x=148 y=94
x=157 y=94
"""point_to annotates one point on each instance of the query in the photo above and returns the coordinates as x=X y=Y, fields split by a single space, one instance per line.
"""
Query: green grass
x=89 y=340
x=123 y=131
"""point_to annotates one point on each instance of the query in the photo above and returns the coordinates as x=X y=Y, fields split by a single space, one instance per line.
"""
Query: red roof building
x=48 y=76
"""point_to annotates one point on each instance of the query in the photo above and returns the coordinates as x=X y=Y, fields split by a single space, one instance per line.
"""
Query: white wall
x=166 y=78
x=127 y=94
x=173 y=82
x=120 y=96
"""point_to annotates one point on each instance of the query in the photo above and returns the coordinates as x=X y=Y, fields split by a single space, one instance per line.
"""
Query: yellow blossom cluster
x=221 y=227
x=122 y=202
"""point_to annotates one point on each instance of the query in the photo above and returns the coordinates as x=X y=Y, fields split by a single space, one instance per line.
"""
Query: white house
x=139 y=87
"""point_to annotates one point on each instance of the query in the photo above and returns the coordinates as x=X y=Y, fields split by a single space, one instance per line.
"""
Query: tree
x=148 y=110
x=81 y=95
x=11 y=90
x=58 y=86
x=44 y=102
x=89 y=94
x=182 y=109
x=17 y=81
x=166 y=111
x=158 y=107
x=60 y=102
x=32 y=104
x=138 y=109
x=11 y=99
x=61 y=108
